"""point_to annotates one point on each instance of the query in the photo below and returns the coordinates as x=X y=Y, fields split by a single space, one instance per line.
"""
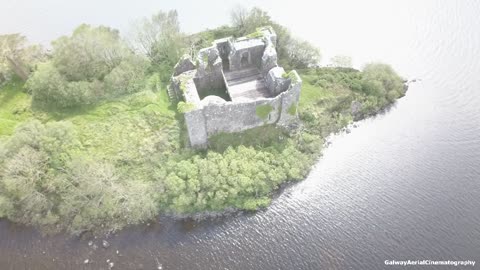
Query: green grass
x=117 y=129
x=126 y=129
x=14 y=106
x=312 y=94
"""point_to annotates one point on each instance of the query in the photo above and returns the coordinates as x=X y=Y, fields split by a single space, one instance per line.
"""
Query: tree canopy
x=91 y=64
x=292 y=52
x=160 y=39
x=17 y=56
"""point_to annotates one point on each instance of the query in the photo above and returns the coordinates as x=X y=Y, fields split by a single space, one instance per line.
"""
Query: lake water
x=403 y=185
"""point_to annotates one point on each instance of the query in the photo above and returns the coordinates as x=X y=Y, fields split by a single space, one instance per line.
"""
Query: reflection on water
x=403 y=185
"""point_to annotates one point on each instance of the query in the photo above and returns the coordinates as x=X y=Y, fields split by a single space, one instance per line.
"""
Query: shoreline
x=203 y=216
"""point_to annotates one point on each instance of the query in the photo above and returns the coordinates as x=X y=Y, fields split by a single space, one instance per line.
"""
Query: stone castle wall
x=216 y=117
x=206 y=115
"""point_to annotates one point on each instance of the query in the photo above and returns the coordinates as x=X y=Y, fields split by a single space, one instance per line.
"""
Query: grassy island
x=89 y=141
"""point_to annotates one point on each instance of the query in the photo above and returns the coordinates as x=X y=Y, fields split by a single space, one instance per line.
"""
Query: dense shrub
x=160 y=39
x=44 y=182
x=242 y=177
x=86 y=67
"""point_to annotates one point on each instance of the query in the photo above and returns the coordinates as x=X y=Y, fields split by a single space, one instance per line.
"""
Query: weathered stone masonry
x=241 y=84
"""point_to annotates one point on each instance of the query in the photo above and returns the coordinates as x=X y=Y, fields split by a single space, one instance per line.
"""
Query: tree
x=238 y=16
x=91 y=64
x=381 y=79
x=17 y=57
x=90 y=53
x=247 y=22
x=160 y=39
x=341 y=61
x=25 y=183
x=302 y=54
x=292 y=53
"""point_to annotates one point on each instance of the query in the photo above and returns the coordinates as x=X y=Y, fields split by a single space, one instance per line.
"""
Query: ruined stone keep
x=235 y=85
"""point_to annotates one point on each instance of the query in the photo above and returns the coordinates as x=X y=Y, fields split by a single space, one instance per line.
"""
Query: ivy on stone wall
x=183 y=107
x=292 y=110
x=263 y=111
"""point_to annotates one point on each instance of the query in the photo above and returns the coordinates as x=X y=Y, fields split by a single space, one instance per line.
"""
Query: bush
x=242 y=177
x=44 y=182
x=91 y=65
x=26 y=184
x=98 y=197
x=183 y=107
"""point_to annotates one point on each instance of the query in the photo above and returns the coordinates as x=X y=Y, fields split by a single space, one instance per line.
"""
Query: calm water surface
x=403 y=185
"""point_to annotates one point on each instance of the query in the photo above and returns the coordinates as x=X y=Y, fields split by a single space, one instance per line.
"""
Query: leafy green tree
x=91 y=64
x=17 y=57
x=49 y=87
x=90 y=53
x=239 y=17
x=384 y=74
x=160 y=39
x=126 y=78
x=247 y=21
x=292 y=53
x=96 y=196
x=26 y=185
x=302 y=54
x=380 y=80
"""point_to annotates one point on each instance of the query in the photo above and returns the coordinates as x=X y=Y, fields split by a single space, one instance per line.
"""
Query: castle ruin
x=234 y=85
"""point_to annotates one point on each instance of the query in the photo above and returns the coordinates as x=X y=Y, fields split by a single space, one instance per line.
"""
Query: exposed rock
x=356 y=109
x=105 y=244
x=185 y=64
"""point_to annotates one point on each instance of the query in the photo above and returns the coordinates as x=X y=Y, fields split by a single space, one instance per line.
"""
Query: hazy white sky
x=367 y=30
x=47 y=19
